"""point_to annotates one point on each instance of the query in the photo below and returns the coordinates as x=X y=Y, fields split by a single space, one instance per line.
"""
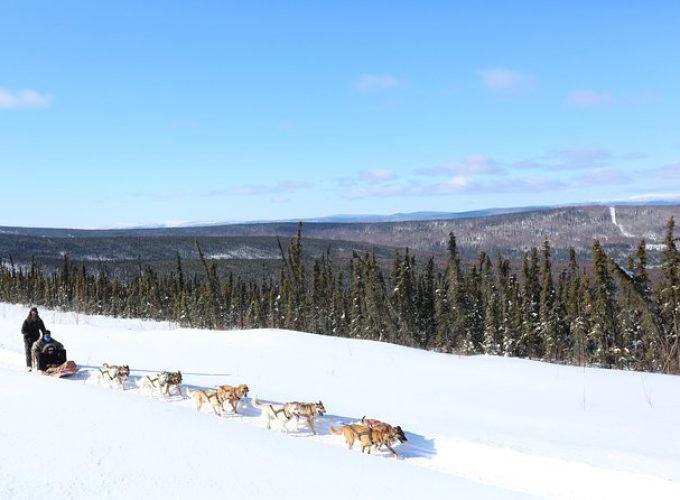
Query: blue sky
x=127 y=113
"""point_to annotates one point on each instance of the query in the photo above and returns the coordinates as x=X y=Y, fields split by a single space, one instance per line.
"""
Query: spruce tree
x=604 y=309
x=547 y=314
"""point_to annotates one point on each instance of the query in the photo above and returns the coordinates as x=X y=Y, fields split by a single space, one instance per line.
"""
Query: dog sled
x=52 y=361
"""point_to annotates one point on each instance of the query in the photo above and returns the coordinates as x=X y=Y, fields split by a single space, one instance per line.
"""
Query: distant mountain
x=411 y=216
x=506 y=231
x=415 y=216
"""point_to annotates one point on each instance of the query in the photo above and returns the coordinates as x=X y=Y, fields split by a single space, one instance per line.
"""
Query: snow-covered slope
x=478 y=427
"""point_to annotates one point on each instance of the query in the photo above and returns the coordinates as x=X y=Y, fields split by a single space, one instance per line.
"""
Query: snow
x=612 y=214
x=478 y=427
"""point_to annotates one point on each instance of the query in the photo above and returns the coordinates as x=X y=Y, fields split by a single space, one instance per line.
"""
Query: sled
x=54 y=364
x=63 y=370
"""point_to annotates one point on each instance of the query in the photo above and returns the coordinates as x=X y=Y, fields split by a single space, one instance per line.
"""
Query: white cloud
x=655 y=196
x=261 y=189
x=586 y=154
x=470 y=165
x=367 y=84
x=505 y=81
x=569 y=159
x=601 y=177
x=586 y=98
x=376 y=191
x=25 y=98
x=634 y=155
x=378 y=175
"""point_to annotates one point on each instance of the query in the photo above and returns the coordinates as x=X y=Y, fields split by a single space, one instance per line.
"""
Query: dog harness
x=280 y=410
x=365 y=433
x=117 y=375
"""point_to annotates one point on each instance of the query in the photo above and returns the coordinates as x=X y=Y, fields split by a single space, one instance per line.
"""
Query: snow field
x=478 y=427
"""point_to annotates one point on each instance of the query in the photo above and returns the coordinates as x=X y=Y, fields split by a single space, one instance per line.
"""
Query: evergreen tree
x=547 y=313
x=604 y=309
x=456 y=298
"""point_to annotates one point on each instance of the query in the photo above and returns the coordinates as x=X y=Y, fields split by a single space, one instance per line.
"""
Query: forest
x=607 y=313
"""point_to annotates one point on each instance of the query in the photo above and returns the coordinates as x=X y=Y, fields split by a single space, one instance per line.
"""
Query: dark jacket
x=39 y=345
x=32 y=328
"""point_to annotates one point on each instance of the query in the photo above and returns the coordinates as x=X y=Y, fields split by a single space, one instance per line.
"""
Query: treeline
x=607 y=314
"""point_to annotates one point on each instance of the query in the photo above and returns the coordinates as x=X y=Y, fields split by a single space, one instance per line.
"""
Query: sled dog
x=163 y=382
x=355 y=432
x=274 y=412
x=308 y=411
x=233 y=394
x=385 y=436
x=378 y=424
x=112 y=373
x=212 y=397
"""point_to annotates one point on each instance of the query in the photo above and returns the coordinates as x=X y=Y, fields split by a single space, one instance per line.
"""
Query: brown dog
x=355 y=432
x=233 y=394
x=385 y=434
x=394 y=429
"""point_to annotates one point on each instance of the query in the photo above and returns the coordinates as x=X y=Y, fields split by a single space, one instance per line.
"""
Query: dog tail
x=334 y=430
x=255 y=402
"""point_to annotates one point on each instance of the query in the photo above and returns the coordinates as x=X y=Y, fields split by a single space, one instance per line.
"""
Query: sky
x=165 y=112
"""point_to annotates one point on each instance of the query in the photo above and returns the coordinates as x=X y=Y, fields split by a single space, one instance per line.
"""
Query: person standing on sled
x=31 y=329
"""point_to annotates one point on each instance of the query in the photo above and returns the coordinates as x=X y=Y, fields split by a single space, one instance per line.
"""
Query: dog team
x=371 y=434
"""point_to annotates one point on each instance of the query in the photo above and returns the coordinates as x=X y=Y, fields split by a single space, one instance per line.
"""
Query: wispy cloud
x=470 y=165
x=260 y=189
x=456 y=185
x=671 y=171
x=479 y=175
x=654 y=196
x=587 y=98
x=25 y=98
x=634 y=155
x=506 y=81
x=528 y=184
x=370 y=83
x=381 y=191
x=569 y=159
x=378 y=175
x=601 y=177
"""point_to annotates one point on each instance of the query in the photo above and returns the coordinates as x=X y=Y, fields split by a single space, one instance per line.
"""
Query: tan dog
x=308 y=411
x=233 y=394
x=201 y=396
x=355 y=432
